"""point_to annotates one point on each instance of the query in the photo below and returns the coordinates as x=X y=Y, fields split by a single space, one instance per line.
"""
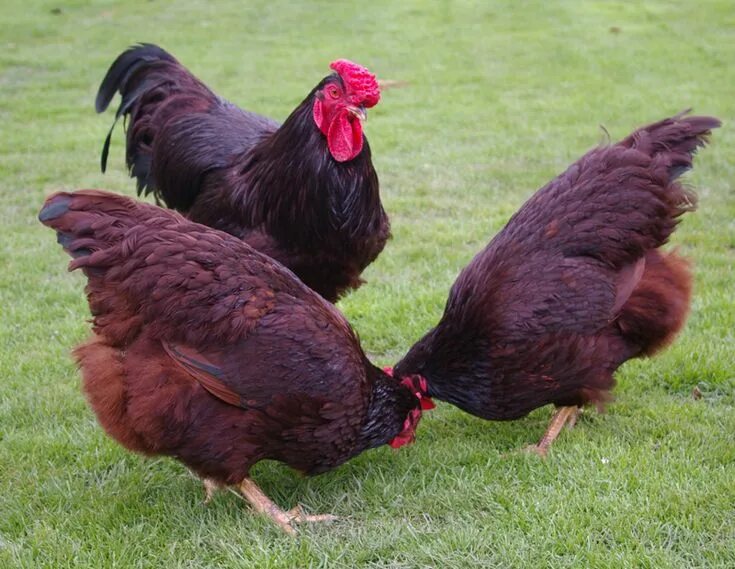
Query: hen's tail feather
x=88 y=221
x=101 y=232
x=629 y=198
x=659 y=305
x=54 y=207
x=674 y=140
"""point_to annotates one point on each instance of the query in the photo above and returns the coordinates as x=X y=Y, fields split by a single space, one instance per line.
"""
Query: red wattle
x=406 y=436
x=344 y=137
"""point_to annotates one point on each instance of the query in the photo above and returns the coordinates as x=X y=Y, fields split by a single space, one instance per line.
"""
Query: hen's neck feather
x=390 y=404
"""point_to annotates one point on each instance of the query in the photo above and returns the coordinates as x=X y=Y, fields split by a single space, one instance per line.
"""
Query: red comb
x=362 y=84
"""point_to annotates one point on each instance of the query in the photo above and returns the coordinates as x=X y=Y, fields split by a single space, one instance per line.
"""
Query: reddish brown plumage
x=278 y=187
x=206 y=350
x=573 y=286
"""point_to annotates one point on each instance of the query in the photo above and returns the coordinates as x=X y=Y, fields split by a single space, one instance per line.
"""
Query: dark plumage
x=303 y=193
x=573 y=286
x=211 y=352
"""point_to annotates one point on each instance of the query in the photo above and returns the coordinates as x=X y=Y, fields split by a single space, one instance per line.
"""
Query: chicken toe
x=264 y=505
x=572 y=420
x=298 y=515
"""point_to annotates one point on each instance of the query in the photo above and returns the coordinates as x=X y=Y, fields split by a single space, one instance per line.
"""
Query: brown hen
x=573 y=286
x=210 y=352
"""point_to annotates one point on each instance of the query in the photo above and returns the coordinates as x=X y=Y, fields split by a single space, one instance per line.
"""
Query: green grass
x=500 y=97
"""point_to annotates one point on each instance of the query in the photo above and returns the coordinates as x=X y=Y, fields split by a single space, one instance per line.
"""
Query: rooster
x=305 y=192
x=211 y=352
x=573 y=286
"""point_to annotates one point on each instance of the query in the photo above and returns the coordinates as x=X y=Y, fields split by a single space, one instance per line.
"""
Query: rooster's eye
x=333 y=92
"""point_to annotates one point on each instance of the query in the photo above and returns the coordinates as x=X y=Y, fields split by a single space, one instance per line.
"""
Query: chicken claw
x=264 y=505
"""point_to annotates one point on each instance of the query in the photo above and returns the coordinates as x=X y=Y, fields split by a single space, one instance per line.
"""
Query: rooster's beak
x=359 y=112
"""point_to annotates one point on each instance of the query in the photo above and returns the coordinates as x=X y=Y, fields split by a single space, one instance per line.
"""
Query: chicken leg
x=563 y=416
x=210 y=487
x=264 y=505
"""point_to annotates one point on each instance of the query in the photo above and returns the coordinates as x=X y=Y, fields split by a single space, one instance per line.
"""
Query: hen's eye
x=333 y=92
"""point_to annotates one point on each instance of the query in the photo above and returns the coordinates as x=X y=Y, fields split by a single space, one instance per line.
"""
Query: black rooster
x=304 y=192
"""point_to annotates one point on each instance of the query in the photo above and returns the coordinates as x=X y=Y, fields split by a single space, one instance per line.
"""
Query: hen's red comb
x=362 y=84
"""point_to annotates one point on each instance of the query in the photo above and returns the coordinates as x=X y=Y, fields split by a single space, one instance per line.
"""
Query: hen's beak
x=359 y=112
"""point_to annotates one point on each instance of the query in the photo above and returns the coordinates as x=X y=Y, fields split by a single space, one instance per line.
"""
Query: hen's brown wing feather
x=202 y=371
x=298 y=352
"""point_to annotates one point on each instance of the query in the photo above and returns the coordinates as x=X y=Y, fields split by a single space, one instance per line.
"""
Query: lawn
x=493 y=99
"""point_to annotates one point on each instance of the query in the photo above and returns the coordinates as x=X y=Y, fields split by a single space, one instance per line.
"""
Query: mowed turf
x=492 y=100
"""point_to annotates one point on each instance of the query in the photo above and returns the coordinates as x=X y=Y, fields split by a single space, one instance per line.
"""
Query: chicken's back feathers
x=573 y=285
x=174 y=275
x=605 y=212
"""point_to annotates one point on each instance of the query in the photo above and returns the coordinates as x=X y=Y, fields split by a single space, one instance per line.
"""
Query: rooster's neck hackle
x=294 y=188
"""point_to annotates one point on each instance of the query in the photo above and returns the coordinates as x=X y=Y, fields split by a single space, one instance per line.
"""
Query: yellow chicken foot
x=210 y=487
x=572 y=420
x=297 y=515
x=563 y=416
x=264 y=505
